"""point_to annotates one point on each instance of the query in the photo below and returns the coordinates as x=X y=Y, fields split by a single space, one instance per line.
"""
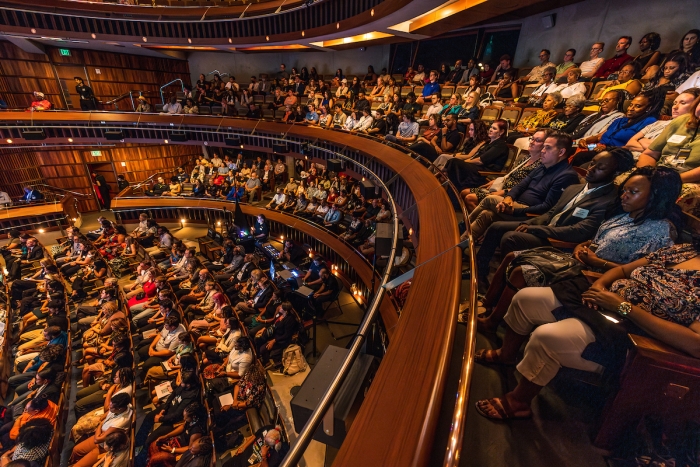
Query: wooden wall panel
x=68 y=169
x=21 y=73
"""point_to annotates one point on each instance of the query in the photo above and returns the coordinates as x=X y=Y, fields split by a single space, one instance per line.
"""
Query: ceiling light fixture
x=267 y=38
x=145 y=39
x=9 y=140
x=33 y=30
x=93 y=35
x=189 y=40
x=70 y=140
x=372 y=12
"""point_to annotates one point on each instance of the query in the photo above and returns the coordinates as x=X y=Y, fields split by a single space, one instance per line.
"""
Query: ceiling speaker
x=179 y=136
x=33 y=134
x=114 y=135
x=280 y=148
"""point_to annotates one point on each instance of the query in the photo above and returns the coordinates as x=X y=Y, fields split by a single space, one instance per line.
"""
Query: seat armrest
x=561 y=244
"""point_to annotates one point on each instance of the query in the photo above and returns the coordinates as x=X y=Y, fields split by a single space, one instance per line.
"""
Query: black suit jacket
x=299 y=89
x=568 y=227
x=36 y=254
x=284 y=330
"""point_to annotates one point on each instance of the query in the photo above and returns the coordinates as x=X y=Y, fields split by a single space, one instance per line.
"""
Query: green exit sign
x=95 y=153
x=65 y=52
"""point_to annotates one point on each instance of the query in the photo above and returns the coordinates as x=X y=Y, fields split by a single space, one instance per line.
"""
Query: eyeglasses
x=534 y=140
x=605 y=101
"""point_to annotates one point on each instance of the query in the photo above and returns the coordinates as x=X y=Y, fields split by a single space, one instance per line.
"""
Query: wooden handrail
x=402 y=405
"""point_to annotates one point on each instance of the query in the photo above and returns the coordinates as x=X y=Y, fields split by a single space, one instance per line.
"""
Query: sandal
x=488 y=357
x=502 y=408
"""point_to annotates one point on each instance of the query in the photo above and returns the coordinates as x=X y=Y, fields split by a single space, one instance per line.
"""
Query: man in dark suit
x=575 y=218
x=298 y=88
x=259 y=301
x=31 y=195
x=34 y=253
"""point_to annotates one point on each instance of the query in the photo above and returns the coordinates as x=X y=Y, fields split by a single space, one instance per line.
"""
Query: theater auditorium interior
x=321 y=233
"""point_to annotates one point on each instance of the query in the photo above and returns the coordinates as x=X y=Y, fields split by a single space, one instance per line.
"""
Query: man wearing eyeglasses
x=589 y=67
x=612 y=65
x=536 y=75
x=566 y=64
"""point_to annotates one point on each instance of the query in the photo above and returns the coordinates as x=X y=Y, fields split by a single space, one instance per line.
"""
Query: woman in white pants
x=658 y=293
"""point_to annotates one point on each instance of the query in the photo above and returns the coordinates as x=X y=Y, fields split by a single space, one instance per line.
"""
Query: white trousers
x=553 y=344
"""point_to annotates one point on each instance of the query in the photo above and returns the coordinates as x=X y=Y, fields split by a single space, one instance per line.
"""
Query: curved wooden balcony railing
x=248 y=24
x=396 y=423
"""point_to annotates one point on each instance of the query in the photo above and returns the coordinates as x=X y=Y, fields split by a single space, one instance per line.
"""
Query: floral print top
x=669 y=294
x=620 y=240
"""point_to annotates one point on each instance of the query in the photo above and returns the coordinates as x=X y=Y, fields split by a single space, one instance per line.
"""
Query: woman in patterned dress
x=640 y=227
x=658 y=295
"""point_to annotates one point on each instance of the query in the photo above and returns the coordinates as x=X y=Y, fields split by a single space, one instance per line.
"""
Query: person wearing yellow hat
x=143 y=106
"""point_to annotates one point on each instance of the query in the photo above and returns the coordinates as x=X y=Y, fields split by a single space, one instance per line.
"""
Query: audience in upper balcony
x=504 y=65
x=590 y=67
x=682 y=105
x=540 y=119
x=690 y=45
x=472 y=69
x=431 y=87
x=643 y=110
x=613 y=64
x=678 y=147
x=536 y=75
x=455 y=75
x=649 y=56
x=570 y=212
x=491 y=156
x=572 y=86
x=39 y=103
x=546 y=87
x=566 y=64
x=445 y=141
x=172 y=107
x=671 y=74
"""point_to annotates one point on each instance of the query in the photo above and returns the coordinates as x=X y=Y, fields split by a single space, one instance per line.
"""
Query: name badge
x=677 y=139
x=580 y=212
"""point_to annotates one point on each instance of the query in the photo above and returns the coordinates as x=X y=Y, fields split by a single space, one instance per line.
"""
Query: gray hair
x=577 y=100
x=550 y=69
x=557 y=97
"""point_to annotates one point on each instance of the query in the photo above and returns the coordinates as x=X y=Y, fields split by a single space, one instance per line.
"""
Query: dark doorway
x=103 y=171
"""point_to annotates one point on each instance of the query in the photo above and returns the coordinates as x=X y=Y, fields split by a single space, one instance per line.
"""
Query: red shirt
x=612 y=65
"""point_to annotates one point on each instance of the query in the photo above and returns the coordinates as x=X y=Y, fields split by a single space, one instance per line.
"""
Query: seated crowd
x=332 y=200
x=174 y=337
x=604 y=176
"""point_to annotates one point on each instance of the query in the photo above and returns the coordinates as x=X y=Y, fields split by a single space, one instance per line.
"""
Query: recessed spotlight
x=9 y=140
x=337 y=25
x=70 y=140
x=33 y=30
x=166 y=141
x=230 y=41
x=123 y=164
x=145 y=39
x=372 y=12
x=41 y=230
x=189 y=40
x=93 y=35
x=302 y=34
x=267 y=38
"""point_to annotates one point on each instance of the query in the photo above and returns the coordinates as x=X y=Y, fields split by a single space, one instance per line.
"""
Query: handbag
x=554 y=265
